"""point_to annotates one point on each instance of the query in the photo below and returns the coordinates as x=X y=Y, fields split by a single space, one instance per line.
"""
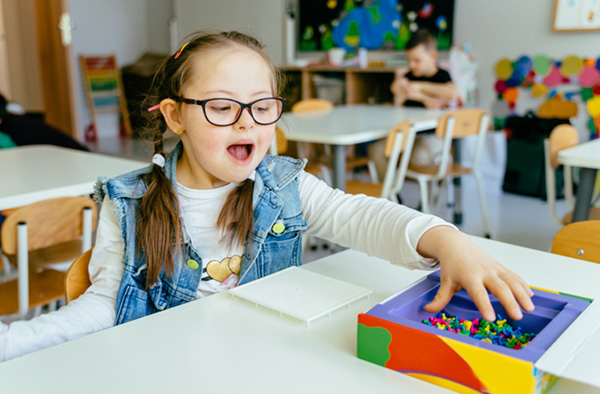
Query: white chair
x=37 y=236
x=562 y=137
x=453 y=125
x=400 y=139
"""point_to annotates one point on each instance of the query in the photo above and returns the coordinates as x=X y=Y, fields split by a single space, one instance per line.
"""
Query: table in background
x=350 y=125
x=37 y=172
x=225 y=344
x=586 y=156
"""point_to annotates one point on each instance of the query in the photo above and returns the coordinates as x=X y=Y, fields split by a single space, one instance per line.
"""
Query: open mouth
x=240 y=152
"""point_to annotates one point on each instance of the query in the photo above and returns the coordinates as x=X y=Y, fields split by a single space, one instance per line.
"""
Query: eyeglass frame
x=202 y=103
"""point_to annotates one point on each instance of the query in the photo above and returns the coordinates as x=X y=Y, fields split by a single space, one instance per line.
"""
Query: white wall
x=105 y=27
x=511 y=28
x=263 y=19
x=159 y=12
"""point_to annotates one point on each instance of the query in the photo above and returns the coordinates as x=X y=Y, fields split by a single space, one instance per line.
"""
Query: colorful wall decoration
x=371 y=24
x=556 y=82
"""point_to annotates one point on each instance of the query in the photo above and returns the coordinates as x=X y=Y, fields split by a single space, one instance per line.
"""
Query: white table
x=225 y=344
x=38 y=172
x=352 y=124
x=586 y=156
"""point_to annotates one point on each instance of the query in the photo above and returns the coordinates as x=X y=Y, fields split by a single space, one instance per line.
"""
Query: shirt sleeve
x=92 y=311
x=375 y=226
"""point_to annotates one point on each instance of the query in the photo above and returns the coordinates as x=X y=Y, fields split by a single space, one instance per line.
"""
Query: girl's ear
x=169 y=109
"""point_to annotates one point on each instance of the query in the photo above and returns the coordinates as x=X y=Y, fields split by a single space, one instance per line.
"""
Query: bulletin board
x=576 y=16
x=104 y=91
x=371 y=24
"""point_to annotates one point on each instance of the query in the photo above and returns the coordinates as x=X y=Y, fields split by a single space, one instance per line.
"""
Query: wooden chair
x=457 y=124
x=29 y=235
x=316 y=104
x=400 y=139
x=561 y=137
x=77 y=278
x=580 y=240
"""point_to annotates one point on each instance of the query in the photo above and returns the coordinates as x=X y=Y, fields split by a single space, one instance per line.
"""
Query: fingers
x=479 y=296
x=441 y=299
x=505 y=295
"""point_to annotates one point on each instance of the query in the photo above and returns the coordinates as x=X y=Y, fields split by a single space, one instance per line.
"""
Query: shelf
x=361 y=85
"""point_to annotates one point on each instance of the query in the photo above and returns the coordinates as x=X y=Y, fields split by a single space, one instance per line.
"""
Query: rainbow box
x=392 y=335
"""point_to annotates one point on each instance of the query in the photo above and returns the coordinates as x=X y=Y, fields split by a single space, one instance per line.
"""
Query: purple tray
x=552 y=315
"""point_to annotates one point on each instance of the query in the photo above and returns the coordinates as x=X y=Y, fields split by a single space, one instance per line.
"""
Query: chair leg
x=438 y=195
x=326 y=174
x=449 y=193
x=482 y=204
x=424 y=188
x=373 y=172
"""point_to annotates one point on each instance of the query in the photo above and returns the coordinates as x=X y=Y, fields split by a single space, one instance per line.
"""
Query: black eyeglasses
x=225 y=112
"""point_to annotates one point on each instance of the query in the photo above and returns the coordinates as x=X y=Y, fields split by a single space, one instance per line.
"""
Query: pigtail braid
x=237 y=216
x=158 y=223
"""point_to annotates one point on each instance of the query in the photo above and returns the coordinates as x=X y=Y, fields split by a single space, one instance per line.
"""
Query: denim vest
x=276 y=200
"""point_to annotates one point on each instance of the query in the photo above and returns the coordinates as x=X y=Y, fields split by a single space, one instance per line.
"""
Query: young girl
x=218 y=212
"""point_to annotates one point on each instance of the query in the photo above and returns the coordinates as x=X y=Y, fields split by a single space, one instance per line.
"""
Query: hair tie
x=180 y=50
x=157 y=106
x=159 y=160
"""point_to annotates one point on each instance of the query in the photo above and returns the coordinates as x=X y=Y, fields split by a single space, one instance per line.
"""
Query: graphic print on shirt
x=222 y=270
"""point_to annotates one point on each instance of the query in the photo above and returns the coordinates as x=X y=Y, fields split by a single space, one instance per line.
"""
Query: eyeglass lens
x=225 y=112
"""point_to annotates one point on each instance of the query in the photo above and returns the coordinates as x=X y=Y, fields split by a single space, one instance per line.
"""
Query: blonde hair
x=158 y=222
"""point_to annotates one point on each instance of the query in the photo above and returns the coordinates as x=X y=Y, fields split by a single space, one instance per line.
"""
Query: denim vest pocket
x=286 y=228
x=135 y=303
x=282 y=248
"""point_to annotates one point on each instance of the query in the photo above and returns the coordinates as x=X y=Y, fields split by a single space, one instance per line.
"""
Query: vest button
x=193 y=264
x=278 y=228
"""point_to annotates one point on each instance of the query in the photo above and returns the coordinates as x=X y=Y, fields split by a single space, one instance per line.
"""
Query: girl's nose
x=245 y=121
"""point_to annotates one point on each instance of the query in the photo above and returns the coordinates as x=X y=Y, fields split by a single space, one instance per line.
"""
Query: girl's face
x=215 y=155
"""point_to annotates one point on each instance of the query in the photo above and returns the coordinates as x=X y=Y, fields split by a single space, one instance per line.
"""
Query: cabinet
x=360 y=85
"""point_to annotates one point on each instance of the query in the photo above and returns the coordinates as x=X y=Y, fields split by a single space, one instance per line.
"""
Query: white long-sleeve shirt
x=377 y=227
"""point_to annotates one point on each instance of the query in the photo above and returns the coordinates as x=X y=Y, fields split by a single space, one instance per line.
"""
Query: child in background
x=424 y=85
x=218 y=212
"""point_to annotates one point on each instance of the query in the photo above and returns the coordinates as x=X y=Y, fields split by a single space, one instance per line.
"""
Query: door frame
x=56 y=66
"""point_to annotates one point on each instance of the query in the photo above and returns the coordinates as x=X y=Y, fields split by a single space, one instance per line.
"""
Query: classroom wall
x=104 y=27
x=510 y=28
x=263 y=19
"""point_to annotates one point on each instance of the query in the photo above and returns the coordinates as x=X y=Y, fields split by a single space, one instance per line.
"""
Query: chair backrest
x=312 y=104
x=399 y=139
x=561 y=137
x=580 y=240
x=44 y=224
x=459 y=124
x=77 y=279
x=49 y=222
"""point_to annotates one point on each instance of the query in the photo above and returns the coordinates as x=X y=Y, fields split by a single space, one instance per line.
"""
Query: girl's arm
x=406 y=237
x=375 y=226
x=92 y=311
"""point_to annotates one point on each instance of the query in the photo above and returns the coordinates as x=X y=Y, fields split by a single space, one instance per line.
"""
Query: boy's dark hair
x=422 y=37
